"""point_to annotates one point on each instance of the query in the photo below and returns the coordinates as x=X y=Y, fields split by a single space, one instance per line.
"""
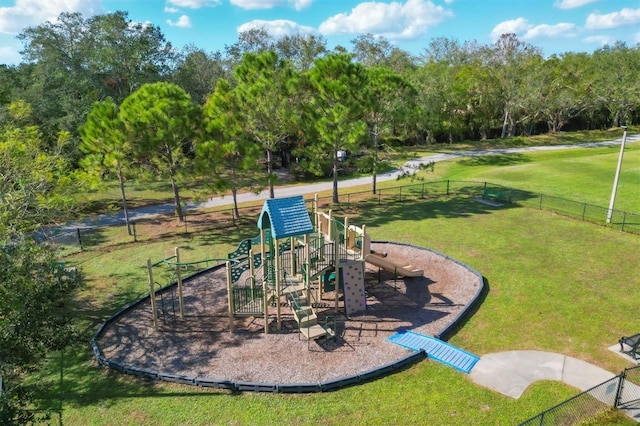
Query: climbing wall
x=355 y=299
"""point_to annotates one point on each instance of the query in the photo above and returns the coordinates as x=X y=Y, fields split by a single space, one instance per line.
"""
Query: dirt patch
x=200 y=344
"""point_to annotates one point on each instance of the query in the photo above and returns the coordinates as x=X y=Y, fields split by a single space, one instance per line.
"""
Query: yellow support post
x=230 y=296
x=152 y=296
x=265 y=303
x=179 y=279
x=278 y=289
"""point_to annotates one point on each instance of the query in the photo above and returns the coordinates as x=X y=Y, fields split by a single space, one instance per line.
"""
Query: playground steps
x=316 y=331
x=307 y=318
x=436 y=349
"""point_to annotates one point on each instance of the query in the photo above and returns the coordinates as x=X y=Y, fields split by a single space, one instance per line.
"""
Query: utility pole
x=617 y=177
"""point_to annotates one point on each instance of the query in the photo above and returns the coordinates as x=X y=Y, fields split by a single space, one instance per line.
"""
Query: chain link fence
x=621 y=392
x=75 y=239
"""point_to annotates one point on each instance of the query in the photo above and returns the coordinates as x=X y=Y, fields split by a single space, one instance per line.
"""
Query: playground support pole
x=347 y=240
x=617 y=176
x=292 y=269
x=366 y=243
x=252 y=271
x=263 y=255
x=265 y=304
x=230 y=296
x=179 y=278
x=278 y=289
x=152 y=296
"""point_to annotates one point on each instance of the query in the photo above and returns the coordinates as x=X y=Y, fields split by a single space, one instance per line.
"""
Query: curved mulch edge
x=241 y=386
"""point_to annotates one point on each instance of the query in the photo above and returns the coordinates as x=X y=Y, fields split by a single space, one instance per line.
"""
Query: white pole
x=617 y=177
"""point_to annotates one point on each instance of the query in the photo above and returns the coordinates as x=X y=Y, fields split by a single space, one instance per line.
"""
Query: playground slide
x=391 y=266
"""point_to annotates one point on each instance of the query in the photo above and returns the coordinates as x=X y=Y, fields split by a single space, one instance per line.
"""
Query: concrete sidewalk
x=511 y=372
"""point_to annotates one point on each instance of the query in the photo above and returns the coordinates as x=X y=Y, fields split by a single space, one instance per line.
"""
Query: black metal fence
x=81 y=238
x=621 y=392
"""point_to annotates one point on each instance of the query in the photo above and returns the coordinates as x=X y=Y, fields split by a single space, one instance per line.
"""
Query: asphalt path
x=410 y=167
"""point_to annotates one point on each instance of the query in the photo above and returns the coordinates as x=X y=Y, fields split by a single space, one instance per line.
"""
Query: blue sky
x=555 y=26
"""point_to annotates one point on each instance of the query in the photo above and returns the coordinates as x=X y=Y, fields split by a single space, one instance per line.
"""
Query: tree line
x=107 y=83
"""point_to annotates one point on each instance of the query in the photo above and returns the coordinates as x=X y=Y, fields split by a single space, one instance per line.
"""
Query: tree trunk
x=234 y=194
x=504 y=123
x=270 y=172
x=124 y=199
x=176 y=198
x=335 y=177
x=375 y=162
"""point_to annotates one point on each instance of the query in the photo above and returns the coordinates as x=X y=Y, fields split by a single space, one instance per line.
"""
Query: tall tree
x=255 y=40
x=35 y=291
x=335 y=110
x=301 y=50
x=161 y=119
x=198 y=71
x=264 y=88
x=77 y=61
x=224 y=150
x=104 y=141
x=389 y=98
x=508 y=59
x=617 y=85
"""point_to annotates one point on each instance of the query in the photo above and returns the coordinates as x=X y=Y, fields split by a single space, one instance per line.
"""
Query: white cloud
x=550 y=31
x=394 y=20
x=625 y=17
x=527 y=31
x=194 y=4
x=276 y=28
x=516 y=26
x=572 y=4
x=27 y=13
x=602 y=40
x=270 y=4
x=182 y=22
x=171 y=9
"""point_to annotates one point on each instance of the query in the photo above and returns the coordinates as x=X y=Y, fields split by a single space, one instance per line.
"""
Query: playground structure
x=299 y=259
x=185 y=338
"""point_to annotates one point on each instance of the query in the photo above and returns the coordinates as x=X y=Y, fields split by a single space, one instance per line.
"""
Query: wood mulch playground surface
x=200 y=344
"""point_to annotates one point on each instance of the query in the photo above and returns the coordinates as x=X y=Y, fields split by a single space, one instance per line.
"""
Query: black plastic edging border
x=241 y=386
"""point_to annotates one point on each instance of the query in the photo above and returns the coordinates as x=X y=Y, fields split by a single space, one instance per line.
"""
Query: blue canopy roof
x=286 y=217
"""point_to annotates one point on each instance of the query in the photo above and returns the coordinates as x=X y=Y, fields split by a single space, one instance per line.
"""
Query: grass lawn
x=555 y=284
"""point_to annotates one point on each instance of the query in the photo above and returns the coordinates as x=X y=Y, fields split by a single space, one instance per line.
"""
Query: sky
x=555 y=26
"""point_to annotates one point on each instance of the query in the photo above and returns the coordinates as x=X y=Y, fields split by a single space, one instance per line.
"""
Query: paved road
x=288 y=191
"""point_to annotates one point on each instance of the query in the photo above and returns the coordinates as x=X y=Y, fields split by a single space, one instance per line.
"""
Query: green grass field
x=555 y=284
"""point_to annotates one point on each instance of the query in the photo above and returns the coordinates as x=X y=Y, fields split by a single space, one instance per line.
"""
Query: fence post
x=447 y=186
x=584 y=210
x=135 y=232
x=540 y=205
x=186 y=226
x=621 y=378
x=400 y=194
x=79 y=239
x=624 y=219
x=379 y=195
x=349 y=201
x=422 y=193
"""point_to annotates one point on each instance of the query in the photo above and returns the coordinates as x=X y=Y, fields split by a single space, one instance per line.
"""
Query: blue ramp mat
x=436 y=349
